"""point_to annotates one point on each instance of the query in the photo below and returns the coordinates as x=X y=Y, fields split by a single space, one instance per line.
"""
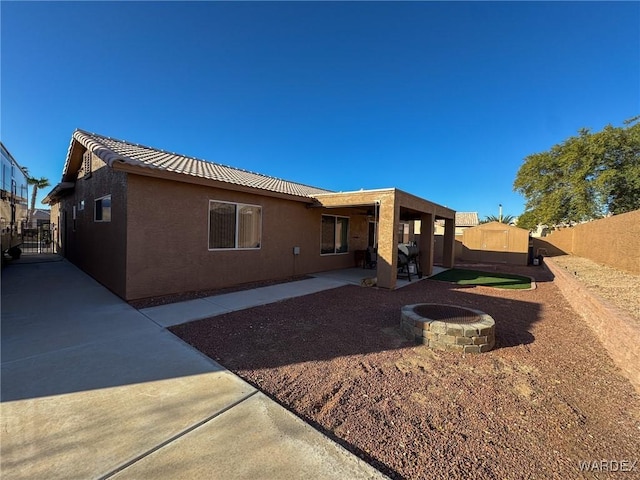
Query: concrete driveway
x=92 y=388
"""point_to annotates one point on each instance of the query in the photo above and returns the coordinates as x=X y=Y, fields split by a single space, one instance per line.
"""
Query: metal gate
x=37 y=240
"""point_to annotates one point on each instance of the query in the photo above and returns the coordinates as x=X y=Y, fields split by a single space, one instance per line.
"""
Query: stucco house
x=464 y=220
x=39 y=216
x=146 y=222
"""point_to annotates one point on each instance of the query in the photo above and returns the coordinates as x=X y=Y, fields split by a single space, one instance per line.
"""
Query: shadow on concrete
x=62 y=332
x=28 y=258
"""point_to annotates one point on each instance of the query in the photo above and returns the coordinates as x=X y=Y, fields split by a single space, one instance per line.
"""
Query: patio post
x=449 y=243
x=425 y=243
x=387 y=271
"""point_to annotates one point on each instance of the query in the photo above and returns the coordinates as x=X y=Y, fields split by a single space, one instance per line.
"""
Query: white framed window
x=102 y=210
x=335 y=235
x=236 y=226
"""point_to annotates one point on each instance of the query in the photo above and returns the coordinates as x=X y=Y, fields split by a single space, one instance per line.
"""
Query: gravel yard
x=546 y=398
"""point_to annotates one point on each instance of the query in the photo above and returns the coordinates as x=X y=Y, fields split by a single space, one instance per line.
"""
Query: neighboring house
x=496 y=242
x=145 y=222
x=40 y=216
x=464 y=220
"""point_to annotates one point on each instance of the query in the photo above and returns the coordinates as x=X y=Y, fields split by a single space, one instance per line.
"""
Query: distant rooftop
x=467 y=219
x=464 y=219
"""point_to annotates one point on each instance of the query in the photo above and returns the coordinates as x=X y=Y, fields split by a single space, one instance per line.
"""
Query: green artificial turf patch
x=488 y=279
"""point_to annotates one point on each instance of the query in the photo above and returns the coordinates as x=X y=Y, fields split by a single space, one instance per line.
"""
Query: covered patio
x=387 y=209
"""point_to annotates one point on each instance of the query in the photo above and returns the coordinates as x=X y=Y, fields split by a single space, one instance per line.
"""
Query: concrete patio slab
x=354 y=276
x=80 y=412
x=282 y=447
x=95 y=298
x=32 y=335
x=24 y=277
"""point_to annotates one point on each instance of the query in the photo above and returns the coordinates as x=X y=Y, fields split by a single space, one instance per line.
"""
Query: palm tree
x=508 y=219
x=37 y=183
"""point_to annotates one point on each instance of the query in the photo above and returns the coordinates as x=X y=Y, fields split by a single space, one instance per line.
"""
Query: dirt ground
x=545 y=399
x=616 y=286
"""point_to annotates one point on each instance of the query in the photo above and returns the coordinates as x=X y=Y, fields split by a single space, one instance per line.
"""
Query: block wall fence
x=616 y=330
x=612 y=241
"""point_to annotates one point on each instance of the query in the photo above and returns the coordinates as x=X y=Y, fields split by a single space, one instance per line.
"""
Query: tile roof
x=467 y=219
x=111 y=150
x=464 y=219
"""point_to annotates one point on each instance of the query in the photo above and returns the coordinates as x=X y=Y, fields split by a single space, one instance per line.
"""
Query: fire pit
x=448 y=327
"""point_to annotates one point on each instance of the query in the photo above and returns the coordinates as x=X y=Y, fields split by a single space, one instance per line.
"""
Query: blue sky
x=440 y=99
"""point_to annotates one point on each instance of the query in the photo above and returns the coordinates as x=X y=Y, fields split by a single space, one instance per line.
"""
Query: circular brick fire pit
x=448 y=327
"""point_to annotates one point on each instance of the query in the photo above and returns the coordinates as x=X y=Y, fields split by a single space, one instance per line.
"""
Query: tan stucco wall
x=495 y=243
x=98 y=248
x=157 y=240
x=613 y=241
x=167 y=239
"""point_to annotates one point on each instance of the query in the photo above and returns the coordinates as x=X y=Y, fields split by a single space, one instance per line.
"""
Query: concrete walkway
x=190 y=310
x=92 y=388
x=187 y=311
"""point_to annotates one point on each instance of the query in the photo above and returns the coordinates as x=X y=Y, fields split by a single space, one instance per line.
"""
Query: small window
x=81 y=205
x=103 y=209
x=234 y=225
x=335 y=235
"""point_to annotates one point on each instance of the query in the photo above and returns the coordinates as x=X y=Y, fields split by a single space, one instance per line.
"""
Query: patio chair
x=371 y=257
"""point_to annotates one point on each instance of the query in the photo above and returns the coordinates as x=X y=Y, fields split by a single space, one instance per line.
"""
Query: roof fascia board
x=353 y=192
x=357 y=198
x=340 y=199
x=439 y=210
x=73 y=162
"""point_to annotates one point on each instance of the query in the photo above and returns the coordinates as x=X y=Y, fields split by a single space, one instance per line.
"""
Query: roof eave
x=60 y=190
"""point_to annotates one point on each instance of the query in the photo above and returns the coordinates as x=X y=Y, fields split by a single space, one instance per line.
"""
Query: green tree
x=494 y=218
x=584 y=177
x=37 y=183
